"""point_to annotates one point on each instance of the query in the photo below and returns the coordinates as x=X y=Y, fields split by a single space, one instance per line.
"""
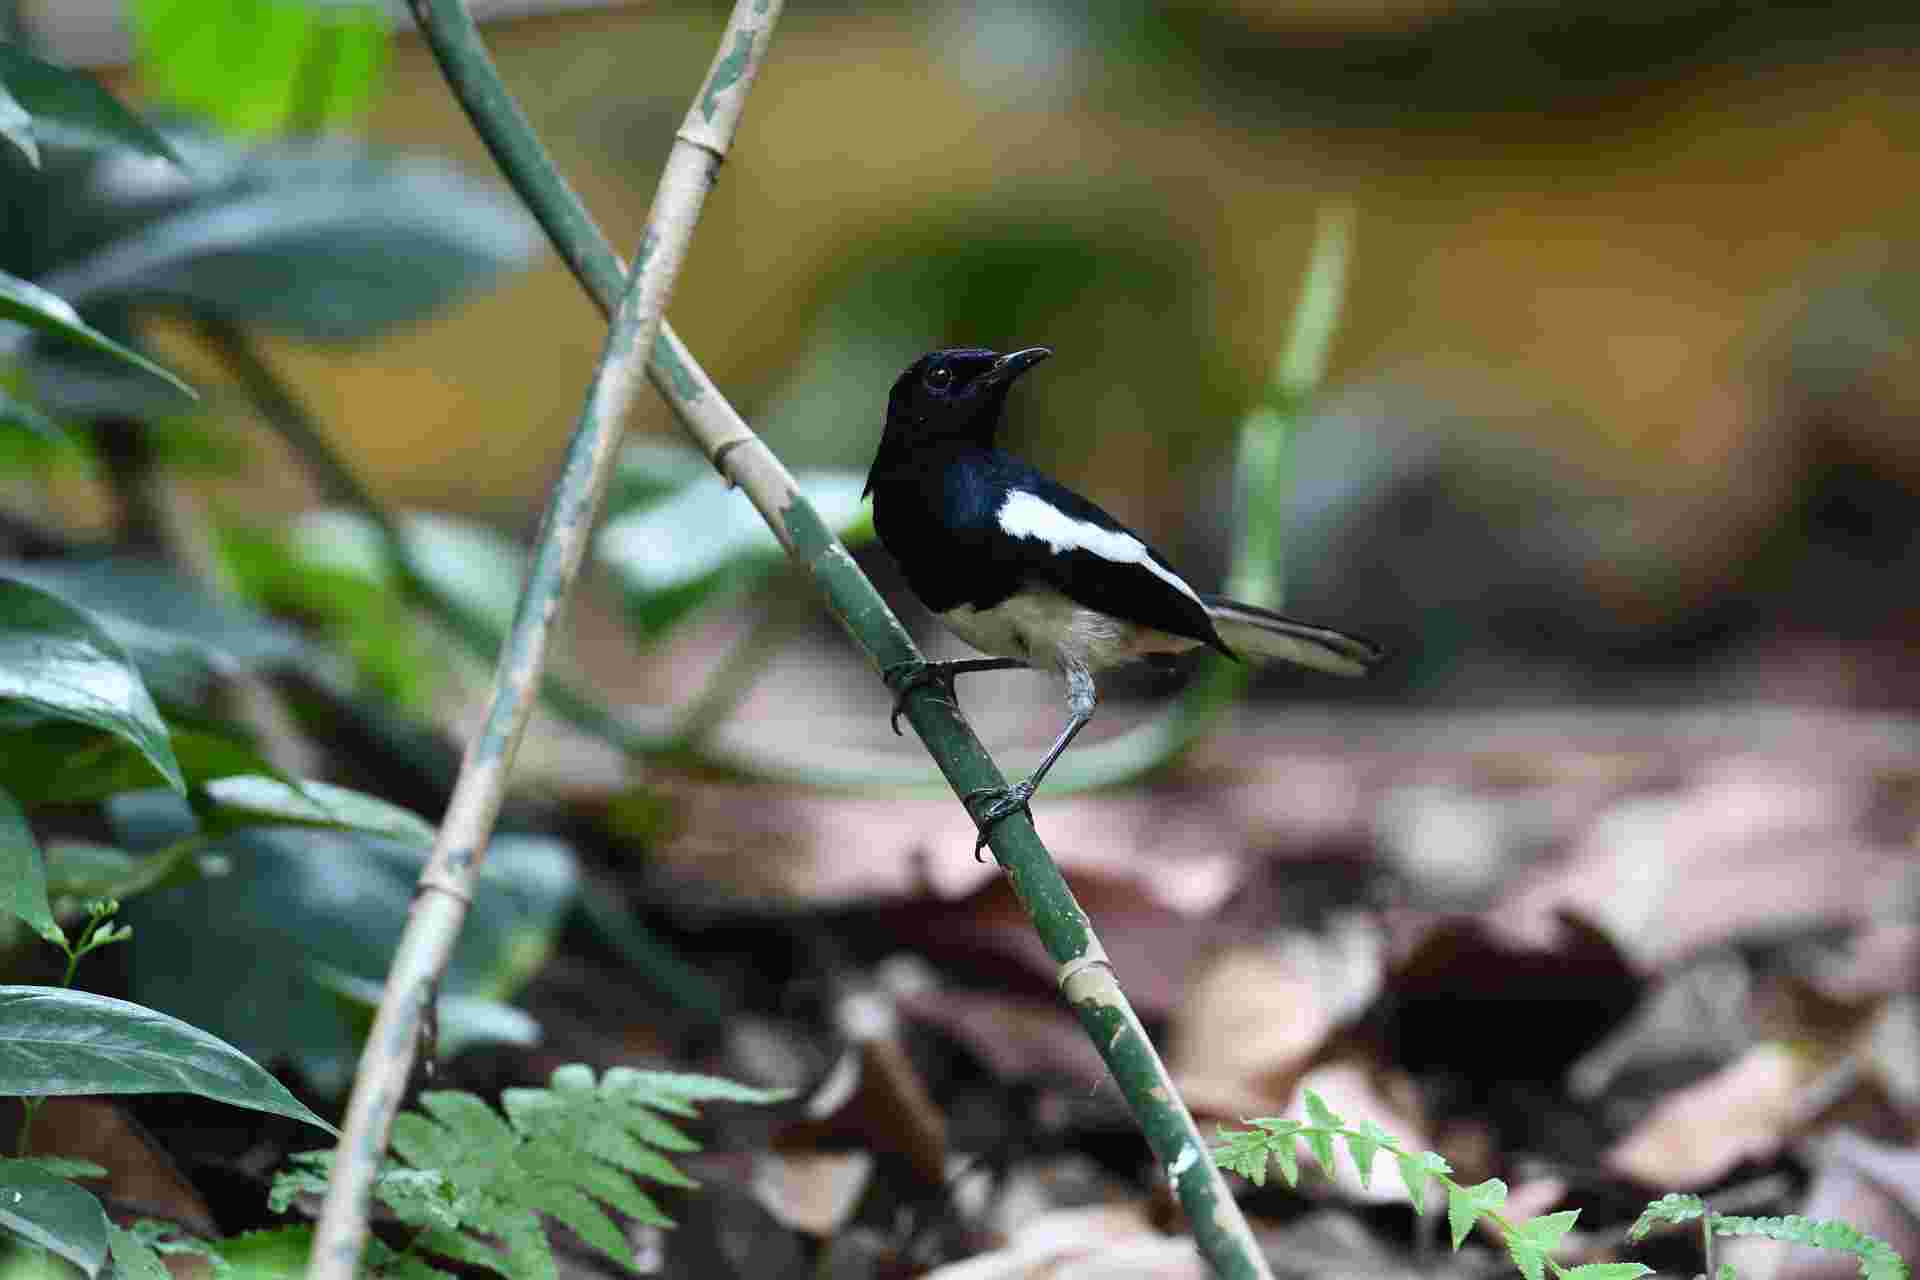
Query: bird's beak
x=1015 y=363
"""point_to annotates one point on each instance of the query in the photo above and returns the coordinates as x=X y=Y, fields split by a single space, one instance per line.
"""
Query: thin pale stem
x=1086 y=978
x=447 y=883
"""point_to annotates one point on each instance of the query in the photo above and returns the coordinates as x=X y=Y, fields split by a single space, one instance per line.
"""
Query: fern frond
x=1878 y=1259
x=564 y=1152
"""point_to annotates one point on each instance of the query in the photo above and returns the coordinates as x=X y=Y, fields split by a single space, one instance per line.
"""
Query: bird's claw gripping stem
x=904 y=677
x=1006 y=802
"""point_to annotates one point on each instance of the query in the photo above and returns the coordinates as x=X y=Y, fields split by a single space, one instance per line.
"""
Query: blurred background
x=1615 y=446
x=1620 y=401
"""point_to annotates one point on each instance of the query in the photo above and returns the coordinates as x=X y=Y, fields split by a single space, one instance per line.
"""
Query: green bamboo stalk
x=447 y=883
x=1263 y=467
x=1084 y=973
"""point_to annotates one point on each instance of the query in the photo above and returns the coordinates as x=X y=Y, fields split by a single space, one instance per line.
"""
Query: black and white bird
x=1023 y=568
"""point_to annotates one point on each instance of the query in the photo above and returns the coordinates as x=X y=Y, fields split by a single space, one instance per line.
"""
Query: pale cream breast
x=1046 y=629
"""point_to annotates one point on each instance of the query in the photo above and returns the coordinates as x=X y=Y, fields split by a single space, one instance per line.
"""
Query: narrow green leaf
x=56 y=660
x=1466 y=1204
x=27 y=303
x=69 y=108
x=1286 y=1154
x=52 y=1213
x=1536 y=1238
x=1246 y=1152
x=1320 y=1119
x=1363 y=1146
x=54 y=1041
x=1549 y=1229
x=255 y=800
x=1673 y=1207
x=23 y=873
x=675 y=1091
x=1415 y=1170
x=63 y=1167
x=16 y=126
x=1606 y=1271
x=1529 y=1257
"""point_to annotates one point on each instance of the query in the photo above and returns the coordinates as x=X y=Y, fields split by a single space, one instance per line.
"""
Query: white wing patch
x=1028 y=515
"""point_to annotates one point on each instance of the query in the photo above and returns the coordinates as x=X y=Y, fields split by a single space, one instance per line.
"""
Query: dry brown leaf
x=141 y=1178
x=1256 y=1015
x=1745 y=1111
x=873 y=1099
x=1754 y=844
x=816 y=1192
x=1113 y=1242
x=1018 y=1038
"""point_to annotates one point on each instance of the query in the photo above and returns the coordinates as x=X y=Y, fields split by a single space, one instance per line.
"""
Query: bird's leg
x=1007 y=801
x=904 y=677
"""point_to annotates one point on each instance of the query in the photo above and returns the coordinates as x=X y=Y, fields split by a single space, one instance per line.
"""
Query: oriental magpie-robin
x=1023 y=568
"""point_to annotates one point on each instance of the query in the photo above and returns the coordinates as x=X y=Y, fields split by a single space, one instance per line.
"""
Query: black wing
x=1080 y=551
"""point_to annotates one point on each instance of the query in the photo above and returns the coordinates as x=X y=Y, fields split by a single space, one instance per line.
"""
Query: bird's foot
x=904 y=677
x=1004 y=803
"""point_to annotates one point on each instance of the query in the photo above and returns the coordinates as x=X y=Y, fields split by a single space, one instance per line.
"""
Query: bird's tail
x=1261 y=634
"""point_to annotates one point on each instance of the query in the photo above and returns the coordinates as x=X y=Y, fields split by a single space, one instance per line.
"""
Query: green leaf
x=1415 y=1170
x=1321 y=1119
x=57 y=661
x=62 y=1167
x=23 y=873
x=55 y=1042
x=1878 y=1260
x=158 y=614
x=1532 y=1241
x=69 y=108
x=677 y=1091
x=42 y=310
x=18 y=412
x=678 y=552
x=562 y=1151
x=16 y=126
x=1606 y=1271
x=1466 y=1204
x=1243 y=1151
x=475 y=565
x=418 y=1197
x=263 y=66
x=325 y=241
x=134 y=1258
x=1286 y=1153
x=59 y=762
x=460 y=1021
x=306 y=905
x=1363 y=1146
x=53 y=1213
x=1673 y=1207
x=650 y=470
x=278 y=1253
x=254 y=800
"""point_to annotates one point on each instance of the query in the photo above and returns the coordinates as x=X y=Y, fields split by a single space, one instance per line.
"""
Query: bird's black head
x=951 y=395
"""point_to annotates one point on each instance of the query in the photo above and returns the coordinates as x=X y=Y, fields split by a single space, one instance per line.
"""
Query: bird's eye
x=940 y=377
